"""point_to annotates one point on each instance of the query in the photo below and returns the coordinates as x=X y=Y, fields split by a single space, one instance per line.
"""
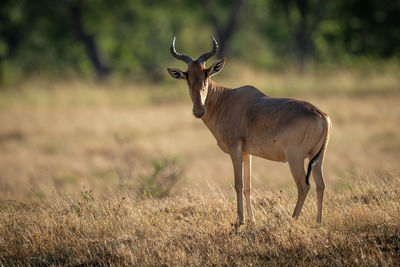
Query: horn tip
x=215 y=44
x=172 y=47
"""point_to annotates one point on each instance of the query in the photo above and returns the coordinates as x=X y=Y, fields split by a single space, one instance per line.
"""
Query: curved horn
x=176 y=55
x=203 y=58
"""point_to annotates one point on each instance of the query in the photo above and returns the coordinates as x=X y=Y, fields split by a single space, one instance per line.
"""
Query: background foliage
x=124 y=38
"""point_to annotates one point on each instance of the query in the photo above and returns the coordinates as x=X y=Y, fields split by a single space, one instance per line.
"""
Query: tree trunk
x=226 y=30
x=74 y=8
x=302 y=35
x=303 y=28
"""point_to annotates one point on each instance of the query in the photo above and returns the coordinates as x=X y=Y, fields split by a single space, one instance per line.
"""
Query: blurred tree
x=36 y=38
x=10 y=31
x=225 y=30
x=131 y=38
x=75 y=9
x=303 y=18
x=370 y=27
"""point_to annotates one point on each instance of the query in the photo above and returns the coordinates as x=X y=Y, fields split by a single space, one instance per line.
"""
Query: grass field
x=361 y=226
x=122 y=173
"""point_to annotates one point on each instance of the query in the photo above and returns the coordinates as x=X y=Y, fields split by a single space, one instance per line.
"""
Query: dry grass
x=361 y=227
x=78 y=162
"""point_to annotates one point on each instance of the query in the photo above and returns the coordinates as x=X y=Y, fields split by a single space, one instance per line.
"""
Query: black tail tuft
x=310 y=164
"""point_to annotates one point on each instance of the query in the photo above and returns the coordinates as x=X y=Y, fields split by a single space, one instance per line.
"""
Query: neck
x=214 y=103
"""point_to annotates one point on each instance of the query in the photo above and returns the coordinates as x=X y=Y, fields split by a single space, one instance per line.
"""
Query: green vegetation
x=130 y=39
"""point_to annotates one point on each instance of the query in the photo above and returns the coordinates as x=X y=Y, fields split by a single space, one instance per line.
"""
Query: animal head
x=197 y=75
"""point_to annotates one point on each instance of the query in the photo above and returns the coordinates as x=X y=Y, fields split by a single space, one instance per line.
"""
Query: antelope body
x=246 y=122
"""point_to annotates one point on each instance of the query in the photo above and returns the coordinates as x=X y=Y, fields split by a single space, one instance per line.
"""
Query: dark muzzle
x=198 y=114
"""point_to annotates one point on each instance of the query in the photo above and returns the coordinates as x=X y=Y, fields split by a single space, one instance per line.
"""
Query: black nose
x=199 y=115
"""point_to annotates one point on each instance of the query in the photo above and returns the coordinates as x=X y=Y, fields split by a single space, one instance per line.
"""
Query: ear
x=216 y=67
x=176 y=73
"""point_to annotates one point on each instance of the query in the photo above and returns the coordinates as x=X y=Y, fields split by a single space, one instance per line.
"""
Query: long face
x=197 y=80
x=197 y=76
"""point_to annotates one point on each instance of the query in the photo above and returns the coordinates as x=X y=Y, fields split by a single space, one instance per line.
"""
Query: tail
x=312 y=162
x=324 y=144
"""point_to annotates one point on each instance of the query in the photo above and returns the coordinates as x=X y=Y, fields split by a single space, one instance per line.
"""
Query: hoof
x=236 y=225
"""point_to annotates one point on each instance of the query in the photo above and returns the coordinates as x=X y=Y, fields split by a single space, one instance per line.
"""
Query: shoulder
x=250 y=90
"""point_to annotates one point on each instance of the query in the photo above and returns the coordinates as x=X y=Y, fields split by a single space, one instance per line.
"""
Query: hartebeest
x=246 y=122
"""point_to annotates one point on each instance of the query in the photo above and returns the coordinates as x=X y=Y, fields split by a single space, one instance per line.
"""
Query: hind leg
x=319 y=181
x=296 y=165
